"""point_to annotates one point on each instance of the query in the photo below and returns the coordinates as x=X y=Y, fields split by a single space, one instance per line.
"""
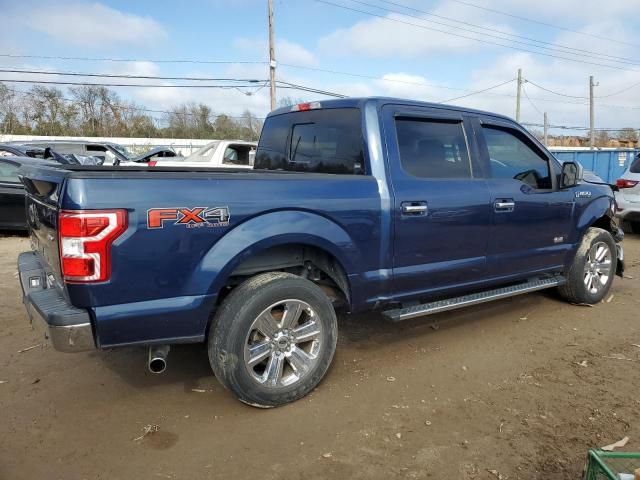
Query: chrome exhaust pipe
x=157 y=362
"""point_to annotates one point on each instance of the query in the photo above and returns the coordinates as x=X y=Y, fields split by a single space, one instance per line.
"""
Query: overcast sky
x=427 y=60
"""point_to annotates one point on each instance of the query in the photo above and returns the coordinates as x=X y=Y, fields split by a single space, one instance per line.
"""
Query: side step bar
x=400 y=314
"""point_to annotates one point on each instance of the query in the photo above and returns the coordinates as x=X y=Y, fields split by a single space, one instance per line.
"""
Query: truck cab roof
x=360 y=102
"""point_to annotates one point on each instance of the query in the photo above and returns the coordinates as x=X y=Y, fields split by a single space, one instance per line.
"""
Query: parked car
x=628 y=196
x=12 y=194
x=21 y=151
x=404 y=207
x=219 y=154
x=110 y=153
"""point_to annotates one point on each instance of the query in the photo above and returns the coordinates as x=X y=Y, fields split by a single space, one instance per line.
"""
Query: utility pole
x=272 y=58
x=519 y=96
x=546 y=130
x=592 y=141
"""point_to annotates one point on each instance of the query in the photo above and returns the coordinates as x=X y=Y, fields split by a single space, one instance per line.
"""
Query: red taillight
x=624 y=183
x=85 y=238
x=152 y=163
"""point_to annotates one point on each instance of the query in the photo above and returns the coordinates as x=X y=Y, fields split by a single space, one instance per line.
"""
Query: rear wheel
x=273 y=339
x=591 y=274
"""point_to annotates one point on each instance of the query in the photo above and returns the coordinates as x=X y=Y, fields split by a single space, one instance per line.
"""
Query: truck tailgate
x=43 y=186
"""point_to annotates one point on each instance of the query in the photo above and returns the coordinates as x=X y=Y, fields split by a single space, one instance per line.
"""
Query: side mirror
x=572 y=174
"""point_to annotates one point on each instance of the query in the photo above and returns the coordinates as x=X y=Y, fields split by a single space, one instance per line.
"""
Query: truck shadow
x=189 y=364
x=367 y=331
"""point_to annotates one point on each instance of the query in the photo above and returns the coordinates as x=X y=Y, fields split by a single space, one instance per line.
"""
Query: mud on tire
x=273 y=339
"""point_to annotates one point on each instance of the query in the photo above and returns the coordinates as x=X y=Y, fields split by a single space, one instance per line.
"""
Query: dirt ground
x=518 y=389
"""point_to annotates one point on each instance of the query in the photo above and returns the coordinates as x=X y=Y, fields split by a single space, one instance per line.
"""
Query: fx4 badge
x=189 y=217
x=583 y=194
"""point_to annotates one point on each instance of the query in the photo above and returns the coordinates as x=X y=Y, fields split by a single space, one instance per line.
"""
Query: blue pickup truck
x=381 y=204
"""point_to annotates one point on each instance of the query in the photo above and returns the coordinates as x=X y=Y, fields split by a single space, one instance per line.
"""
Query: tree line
x=97 y=111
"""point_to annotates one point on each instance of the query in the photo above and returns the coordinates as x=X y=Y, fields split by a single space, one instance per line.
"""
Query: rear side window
x=96 y=148
x=510 y=157
x=433 y=149
x=635 y=165
x=319 y=141
x=237 y=155
x=68 y=148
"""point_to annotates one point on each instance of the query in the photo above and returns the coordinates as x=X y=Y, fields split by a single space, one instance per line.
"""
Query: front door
x=440 y=209
x=531 y=216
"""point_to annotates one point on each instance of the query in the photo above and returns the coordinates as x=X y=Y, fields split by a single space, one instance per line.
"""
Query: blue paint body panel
x=165 y=282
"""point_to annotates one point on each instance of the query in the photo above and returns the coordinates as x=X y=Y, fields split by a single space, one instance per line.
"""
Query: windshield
x=203 y=154
x=635 y=166
x=123 y=150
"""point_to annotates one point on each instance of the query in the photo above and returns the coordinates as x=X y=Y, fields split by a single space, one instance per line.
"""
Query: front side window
x=433 y=149
x=510 y=157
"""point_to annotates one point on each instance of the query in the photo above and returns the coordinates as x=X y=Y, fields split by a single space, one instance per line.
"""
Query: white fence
x=183 y=146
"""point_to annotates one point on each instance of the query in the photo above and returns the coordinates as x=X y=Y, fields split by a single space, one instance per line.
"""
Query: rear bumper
x=67 y=328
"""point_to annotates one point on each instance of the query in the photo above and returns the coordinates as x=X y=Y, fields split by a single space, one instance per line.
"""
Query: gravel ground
x=516 y=389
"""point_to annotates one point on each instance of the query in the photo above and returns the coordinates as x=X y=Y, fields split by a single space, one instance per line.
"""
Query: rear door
x=531 y=216
x=440 y=208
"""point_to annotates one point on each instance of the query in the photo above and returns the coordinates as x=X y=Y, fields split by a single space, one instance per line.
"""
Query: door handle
x=414 y=208
x=504 y=205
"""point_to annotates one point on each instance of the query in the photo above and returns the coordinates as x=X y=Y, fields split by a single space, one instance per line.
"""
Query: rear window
x=319 y=141
x=635 y=165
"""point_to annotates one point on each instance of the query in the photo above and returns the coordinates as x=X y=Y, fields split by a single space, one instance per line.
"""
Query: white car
x=628 y=197
x=218 y=154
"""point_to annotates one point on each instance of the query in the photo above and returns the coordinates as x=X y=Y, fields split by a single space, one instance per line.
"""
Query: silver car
x=628 y=197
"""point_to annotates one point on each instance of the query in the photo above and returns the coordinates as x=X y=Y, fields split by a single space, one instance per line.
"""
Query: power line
x=530 y=101
x=283 y=84
x=477 y=91
x=344 y=7
x=116 y=75
x=554 y=92
x=134 y=108
x=619 y=92
x=531 y=20
x=141 y=85
x=551 y=46
x=579 y=128
x=138 y=60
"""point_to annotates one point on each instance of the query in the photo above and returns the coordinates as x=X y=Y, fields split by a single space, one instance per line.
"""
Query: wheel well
x=309 y=262
x=606 y=223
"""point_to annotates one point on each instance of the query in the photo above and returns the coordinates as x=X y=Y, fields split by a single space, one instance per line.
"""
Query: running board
x=400 y=314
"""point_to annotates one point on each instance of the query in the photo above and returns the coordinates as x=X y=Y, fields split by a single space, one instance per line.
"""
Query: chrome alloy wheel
x=597 y=268
x=283 y=343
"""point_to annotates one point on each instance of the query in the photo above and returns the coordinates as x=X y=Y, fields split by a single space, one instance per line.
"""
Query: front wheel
x=273 y=339
x=591 y=274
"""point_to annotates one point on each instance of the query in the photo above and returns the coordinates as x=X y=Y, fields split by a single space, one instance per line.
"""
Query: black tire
x=233 y=330
x=576 y=289
x=635 y=227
